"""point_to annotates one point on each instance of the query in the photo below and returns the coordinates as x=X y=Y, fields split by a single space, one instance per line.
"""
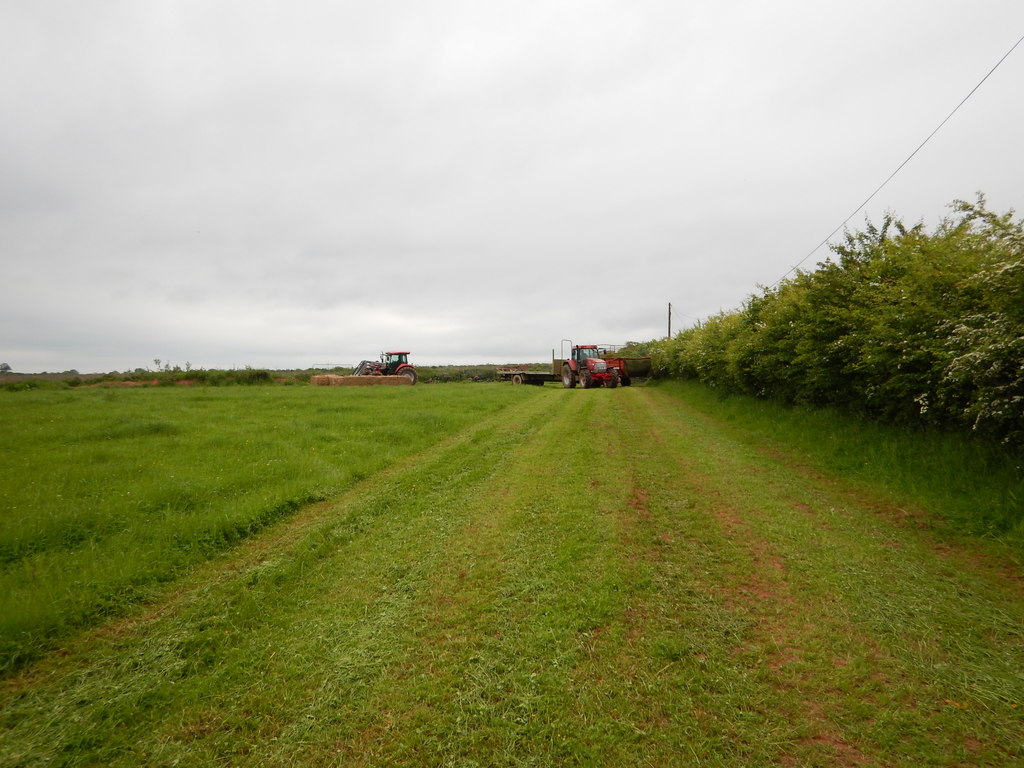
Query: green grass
x=109 y=493
x=588 y=578
x=965 y=485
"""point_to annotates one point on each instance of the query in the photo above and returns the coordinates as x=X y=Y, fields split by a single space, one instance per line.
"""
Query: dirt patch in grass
x=783 y=636
x=986 y=558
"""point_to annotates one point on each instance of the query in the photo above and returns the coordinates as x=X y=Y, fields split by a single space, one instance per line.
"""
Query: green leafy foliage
x=901 y=324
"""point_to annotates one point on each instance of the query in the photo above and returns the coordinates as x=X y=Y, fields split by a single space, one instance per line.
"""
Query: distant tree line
x=901 y=324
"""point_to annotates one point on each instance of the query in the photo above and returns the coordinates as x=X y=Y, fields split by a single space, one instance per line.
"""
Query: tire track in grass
x=569 y=628
x=260 y=653
x=711 y=704
x=522 y=581
x=857 y=618
x=588 y=578
x=757 y=586
x=548 y=637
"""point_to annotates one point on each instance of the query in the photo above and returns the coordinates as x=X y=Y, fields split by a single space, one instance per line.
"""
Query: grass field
x=549 y=577
x=108 y=493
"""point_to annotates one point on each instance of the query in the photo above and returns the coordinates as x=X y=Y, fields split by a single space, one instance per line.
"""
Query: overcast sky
x=231 y=183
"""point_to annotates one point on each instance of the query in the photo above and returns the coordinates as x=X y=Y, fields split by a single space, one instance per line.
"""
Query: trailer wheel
x=517 y=378
x=568 y=377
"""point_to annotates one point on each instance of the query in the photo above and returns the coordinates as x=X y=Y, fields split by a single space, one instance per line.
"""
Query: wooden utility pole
x=670 y=319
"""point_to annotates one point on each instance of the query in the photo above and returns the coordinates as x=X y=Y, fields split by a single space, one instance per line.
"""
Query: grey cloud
x=266 y=185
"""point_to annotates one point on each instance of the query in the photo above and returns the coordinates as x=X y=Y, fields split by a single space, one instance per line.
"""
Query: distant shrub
x=253 y=376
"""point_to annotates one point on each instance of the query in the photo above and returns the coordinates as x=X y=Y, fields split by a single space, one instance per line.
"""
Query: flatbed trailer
x=523 y=376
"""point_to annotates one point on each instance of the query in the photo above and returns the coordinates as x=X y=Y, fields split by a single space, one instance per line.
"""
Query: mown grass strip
x=872 y=635
x=110 y=494
x=242 y=659
x=588 y=578
x=967 y=486
x=524 y=583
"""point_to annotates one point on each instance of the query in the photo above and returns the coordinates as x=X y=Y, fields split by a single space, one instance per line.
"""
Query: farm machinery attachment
x=391 y=368
x=390 y=364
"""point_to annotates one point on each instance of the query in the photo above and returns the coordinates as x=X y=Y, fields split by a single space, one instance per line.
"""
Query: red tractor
x=390 y=364
x=586 y=366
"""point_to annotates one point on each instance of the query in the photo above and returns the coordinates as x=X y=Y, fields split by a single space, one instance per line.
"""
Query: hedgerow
x=901 y=324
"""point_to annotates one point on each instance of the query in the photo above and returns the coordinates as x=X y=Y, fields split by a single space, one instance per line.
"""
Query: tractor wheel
x=585 y=379
x=613 y=382
x=409 y=373
x=568 y=377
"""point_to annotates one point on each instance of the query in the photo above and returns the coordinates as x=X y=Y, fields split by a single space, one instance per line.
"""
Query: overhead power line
x=901 y=165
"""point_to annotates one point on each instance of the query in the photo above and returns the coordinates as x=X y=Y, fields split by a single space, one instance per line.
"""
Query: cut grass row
x=885 y=644
x=108 y=494
x=585 y=578
x=966 y=486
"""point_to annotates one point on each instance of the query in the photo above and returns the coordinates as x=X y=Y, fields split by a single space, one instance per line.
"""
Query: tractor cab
x=393 y=361
x=582 y=354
